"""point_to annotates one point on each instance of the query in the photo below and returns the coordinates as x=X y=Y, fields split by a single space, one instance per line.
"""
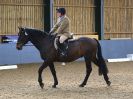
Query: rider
x=62 y=29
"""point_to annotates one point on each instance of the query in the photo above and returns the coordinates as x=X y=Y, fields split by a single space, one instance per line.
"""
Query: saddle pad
x=55 y=44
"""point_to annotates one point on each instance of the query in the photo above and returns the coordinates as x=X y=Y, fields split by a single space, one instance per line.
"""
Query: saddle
x=57 y=44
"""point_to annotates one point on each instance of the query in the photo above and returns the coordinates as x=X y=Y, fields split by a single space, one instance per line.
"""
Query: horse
x=85 y=47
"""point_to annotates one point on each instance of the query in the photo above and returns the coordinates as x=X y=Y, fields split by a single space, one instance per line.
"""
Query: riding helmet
x=61 y=10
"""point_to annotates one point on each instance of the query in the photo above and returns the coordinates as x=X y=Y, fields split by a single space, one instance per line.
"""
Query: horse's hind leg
x=88 y=71
x=105 y=75
x=52 y=68
x=106 y=78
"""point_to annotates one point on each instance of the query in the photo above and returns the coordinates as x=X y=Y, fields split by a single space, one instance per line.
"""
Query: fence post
x=48 y=14
x=99 y=18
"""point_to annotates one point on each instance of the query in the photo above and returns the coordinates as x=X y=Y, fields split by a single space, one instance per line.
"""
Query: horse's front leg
x=44 y=65
x=52 y=68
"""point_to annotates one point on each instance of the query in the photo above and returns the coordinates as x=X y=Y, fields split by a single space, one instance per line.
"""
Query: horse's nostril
x=18 y=47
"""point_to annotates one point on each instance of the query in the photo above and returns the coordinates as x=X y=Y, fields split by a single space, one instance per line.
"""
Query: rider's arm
x=63 y=25
x=54 y=28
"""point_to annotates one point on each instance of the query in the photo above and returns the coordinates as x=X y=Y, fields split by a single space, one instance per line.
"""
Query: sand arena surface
x=22 y=82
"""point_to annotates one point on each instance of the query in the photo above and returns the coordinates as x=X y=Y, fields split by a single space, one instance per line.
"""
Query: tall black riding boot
x=64 y=49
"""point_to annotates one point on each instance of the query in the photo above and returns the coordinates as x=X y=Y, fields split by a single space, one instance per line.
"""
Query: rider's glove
x=50 y=33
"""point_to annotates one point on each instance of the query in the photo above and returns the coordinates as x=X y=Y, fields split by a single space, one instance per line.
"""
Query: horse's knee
x=39 y=74
x=54 y=72
x=39 y=70
x=39 y=80
x=89 y=70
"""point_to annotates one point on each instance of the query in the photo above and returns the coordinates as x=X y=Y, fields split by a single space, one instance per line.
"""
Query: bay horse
x=88 y=48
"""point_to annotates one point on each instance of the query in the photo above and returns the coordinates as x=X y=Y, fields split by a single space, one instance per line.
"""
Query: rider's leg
x=63 y=38
x=63 y=44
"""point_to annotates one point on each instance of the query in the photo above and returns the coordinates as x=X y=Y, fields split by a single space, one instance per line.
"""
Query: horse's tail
x=103 y=69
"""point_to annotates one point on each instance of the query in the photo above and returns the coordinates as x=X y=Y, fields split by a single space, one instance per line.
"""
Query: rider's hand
x=50 y=33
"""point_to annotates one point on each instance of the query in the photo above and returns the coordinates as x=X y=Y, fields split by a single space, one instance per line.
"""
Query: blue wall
x=116 y=48
x=29 y=54
x=10 y=55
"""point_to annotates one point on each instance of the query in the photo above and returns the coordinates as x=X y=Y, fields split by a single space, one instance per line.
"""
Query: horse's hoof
x=109 y=83
x=54 y=86
x=42 y=85
x=82 y=85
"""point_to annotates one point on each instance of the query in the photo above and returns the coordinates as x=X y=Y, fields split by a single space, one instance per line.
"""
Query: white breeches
x=63 y=38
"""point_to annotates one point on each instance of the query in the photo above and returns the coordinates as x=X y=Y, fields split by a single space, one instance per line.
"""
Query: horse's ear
x=20 y=27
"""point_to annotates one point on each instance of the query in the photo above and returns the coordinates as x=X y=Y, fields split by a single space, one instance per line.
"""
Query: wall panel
x=118 y=20
x=14 y=13
x=81 y=14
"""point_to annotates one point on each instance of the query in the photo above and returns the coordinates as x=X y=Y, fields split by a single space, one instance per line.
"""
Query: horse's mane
x=36 y=32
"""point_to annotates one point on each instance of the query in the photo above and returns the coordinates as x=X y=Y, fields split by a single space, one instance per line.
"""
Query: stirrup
x=63 y=54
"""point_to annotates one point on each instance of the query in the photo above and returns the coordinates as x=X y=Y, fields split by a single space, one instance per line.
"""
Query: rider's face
x=58 y=14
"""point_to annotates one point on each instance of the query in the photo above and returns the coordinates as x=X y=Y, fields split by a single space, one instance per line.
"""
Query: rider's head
x=61 y=12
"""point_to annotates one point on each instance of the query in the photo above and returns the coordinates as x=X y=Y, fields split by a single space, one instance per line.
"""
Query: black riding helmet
x=61 y=10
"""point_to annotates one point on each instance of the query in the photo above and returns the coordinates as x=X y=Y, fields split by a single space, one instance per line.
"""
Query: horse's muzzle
x=18 y=47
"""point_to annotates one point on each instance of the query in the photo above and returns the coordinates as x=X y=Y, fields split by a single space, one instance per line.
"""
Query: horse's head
x=22 y=39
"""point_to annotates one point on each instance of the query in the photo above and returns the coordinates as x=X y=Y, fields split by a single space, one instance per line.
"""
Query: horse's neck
x=40 y=43
x=36 y=43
